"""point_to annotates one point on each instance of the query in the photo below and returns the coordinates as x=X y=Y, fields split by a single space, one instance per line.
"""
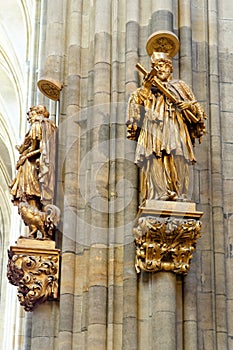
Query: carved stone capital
x=166 y=239
x=33 y=266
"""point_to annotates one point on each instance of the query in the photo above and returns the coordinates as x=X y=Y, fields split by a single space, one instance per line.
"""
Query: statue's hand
x=19 y=148
x=148 y=81
x=20 y=161
x=183 y=104
x=131 y=130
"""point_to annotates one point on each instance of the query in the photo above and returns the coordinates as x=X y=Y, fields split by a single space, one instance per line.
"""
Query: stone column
x=164 y=311
x=189 y=329
x=157 y=311
x=217 y=189
x=97 y=177
x=129 y=335
x=162 y=15
x=49 y=35
x=166 y=234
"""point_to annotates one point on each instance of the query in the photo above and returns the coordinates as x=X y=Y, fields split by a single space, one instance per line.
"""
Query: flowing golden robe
x=165 y=139
x=35 y=177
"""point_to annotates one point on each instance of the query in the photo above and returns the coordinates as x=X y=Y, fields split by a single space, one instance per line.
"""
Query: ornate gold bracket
x=166 y=234
x=33 y=266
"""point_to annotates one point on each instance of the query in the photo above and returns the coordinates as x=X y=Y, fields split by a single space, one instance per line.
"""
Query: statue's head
x=31 y=114
x=42 y=110
x=158 y=57
x=161 y=46
x=163 y=65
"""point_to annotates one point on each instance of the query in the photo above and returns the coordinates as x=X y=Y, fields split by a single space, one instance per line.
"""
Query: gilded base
x=166 y=234
x=33 y=266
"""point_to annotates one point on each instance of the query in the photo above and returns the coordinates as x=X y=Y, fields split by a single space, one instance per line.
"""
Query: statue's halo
x=163 y=41
x=50 y=88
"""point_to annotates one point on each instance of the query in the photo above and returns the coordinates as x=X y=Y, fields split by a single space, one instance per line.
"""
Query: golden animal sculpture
x=43 y=221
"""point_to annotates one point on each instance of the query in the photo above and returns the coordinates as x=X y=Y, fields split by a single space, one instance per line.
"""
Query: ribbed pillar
x=130 y=341
x=44 y=319
x=69 y=165
x=190 y=310
x=225 y=51
x=217 y=178
x=132 y=37
x=185 y=36
x=179 y=313
x=98 y=175
x=189 y=286
x=116 y=178
x=164 y=311
x=44 y=327
x=162 y=15
x=38 y=50
x=54 y=44
x=145 y=311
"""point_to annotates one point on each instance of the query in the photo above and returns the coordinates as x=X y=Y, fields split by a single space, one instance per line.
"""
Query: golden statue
x=164 y=118
x=33 y=187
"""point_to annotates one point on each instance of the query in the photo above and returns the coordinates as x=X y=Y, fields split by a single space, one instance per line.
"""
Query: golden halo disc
x=50 y=88
x=163 y=41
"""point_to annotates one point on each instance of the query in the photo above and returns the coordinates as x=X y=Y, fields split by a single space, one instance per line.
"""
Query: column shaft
x=164 y=310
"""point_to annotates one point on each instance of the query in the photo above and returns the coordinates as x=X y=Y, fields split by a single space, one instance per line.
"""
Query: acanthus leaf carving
x=165 y=244
x=36 y=277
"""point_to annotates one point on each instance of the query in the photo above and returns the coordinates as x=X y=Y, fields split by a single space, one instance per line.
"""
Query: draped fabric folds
x=164 y=140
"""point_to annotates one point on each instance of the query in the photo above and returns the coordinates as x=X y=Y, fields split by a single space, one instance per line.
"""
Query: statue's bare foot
x=172 y=195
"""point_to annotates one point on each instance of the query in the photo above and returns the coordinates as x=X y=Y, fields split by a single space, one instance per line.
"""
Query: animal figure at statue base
x=44 y=221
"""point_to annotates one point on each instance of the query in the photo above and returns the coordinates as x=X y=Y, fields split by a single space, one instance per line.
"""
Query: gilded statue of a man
x=164 y=118
x=32 y=189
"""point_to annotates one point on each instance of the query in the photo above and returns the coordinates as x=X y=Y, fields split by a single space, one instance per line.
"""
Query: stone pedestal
x=166 y=234
x=33 y=266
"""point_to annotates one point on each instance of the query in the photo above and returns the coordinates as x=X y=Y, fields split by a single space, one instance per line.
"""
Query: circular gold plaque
x=163 y=41
x=50 y=88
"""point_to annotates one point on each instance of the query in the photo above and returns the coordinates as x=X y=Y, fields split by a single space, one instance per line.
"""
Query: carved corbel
x=34 y=270
x=166 y=238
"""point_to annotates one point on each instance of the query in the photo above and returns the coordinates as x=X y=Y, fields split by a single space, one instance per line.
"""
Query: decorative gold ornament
x=50 y=88
x=33 y=266
x=163 y=41
x=166 y=242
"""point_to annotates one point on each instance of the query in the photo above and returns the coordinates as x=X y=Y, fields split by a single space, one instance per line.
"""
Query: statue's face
x=31 y=116
x=163 y=70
